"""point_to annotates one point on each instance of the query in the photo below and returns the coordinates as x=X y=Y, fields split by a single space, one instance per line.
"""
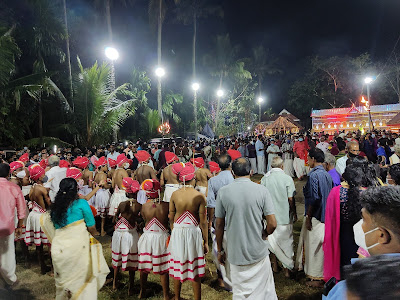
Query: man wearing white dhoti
x=300 y=149
x=246 y=206
x=260 y=155
x=287 y=156
x=282 y=190
x=272 y=151
x=310 y=255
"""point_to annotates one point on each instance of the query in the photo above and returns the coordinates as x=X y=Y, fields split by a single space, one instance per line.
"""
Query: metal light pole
x=160 y=72
x=195 y=87
x=368 y=81
x=112 y=54
x=259 y=100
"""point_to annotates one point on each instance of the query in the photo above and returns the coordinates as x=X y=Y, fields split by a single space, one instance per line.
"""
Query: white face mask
x=21 y=174
x=359 y=236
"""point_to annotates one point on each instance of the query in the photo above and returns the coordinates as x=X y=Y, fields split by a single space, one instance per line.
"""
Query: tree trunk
x=195 y=114
x=159 y=94
x=40 y=119
x=218 y=106
x=71 y=92
x=108 y=17
x=259 y=85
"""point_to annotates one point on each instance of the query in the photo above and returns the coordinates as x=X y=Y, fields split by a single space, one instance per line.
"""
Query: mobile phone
x=328 y=286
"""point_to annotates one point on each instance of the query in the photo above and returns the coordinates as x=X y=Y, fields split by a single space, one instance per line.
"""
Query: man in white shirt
x=323 y=145
x=112 y=153
x=272 y=151
x=353 y=150
x=54 y=176
x=260 y=155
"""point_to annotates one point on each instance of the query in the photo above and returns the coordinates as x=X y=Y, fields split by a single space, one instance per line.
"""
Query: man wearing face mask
x=54 y=176
x=272 y=151
x=300 y=149
x=251 y=150
x=380 y=227
x=353 y=150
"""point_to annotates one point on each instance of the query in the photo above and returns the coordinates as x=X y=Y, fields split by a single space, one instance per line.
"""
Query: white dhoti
x=281 y=244
x=187 y=260
x=117 y=197
x=152 y=248
x=270 y=158
x=310 y=255
x=261 y=164
x=201 y=189
x=169 y=190
x=288 y=167
x=102 y=203
x=224 y=270
x=299 y=166
x=253 y=282
x=7 y=260
x=86 y=190
x=253 y=162
x=124 y=246
x=33 y=231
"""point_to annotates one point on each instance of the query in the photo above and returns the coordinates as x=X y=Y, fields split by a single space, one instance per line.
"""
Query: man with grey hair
x=330 y=163
x=353 y=150
x=282 y=190
x=395 y=158
x=54 y=176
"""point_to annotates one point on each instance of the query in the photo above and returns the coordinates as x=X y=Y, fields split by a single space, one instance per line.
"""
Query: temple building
x=282 y=123
x=354 y=118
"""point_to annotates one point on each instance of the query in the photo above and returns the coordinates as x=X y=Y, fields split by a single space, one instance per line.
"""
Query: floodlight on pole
x=220 y=93
x=368 y=80
x=111 y=53
x=195 y=86
x=260 y=100
x=160 y=72
x=248 y=127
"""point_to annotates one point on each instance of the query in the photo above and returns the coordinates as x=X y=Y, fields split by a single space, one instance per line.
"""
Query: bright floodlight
x=368 y=80
x=220 y=93
x=160 y=72
x=248 y=128
x=111 y=53
x=195 y=86
x=260 y=100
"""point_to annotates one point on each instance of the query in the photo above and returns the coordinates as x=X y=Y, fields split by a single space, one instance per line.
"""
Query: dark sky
x=292 y=30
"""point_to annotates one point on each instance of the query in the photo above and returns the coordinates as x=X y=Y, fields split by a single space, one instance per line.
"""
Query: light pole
x=368 y=81
x=195 y=87
x=160 y=72
x=220 y=94
x=112 y=54
x=259 y=100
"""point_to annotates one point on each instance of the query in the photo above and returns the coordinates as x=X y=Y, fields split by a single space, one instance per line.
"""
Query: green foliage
x=186 y=10
x=9 y=52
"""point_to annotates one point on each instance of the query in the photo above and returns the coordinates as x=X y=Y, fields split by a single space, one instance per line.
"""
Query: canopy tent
x=207 y=131
x=282 y=124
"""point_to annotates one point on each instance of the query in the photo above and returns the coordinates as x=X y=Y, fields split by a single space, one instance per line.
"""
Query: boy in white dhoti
x=119 y=194
x=102 y=203
x=124 y=245
x=152 y=245
x=169 y=177
x=202 y=175
x=189 y=243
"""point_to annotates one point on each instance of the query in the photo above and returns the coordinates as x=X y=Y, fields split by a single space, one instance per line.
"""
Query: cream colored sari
x=80 y=269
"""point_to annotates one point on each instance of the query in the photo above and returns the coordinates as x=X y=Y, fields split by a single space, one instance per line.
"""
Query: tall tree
x=71 y=91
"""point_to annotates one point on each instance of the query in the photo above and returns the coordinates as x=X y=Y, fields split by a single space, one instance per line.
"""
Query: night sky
x=291 y=30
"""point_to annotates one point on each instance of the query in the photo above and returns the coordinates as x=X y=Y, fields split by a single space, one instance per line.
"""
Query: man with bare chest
x=152 y=245
x=143 y=172
x=125 y=238
x=40 y=200
x=202 y=175
x=118 y=195
x=189 y=237
x=102 y=203
x=169 y=179
x=82 y=163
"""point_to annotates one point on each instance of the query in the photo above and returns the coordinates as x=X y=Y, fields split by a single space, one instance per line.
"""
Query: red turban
x=64 y=164
x=176 y=168
x=170 y=157
x=131 y=186
x=198 y=162
x=187 y=173
x=44 y=163
x=24 y=158
x=121 y=159
x=81 y=162
x=214 y=167
x=234 y=154
x=142 y=156
x=100 y=162
x=74 y=173
x=112 y=162
x=152 y=188
x=36 y=171
x=16 y=165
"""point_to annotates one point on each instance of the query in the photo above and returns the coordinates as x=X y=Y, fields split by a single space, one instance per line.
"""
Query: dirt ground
x=33 y=285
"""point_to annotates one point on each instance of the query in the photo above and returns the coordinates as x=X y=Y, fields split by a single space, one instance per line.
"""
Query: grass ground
x=32 y=285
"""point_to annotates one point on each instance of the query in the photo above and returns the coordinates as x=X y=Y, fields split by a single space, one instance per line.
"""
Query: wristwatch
x=221 y=252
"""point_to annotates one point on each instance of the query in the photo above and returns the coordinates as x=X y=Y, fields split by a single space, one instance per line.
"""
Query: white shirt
x=323 y=146
x=259 y=146
x=272 y=148
x=341 y=165
x=54 y=175
x=397 y=141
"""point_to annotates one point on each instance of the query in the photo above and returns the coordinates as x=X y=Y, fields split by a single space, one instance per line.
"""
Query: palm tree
x=71 y=91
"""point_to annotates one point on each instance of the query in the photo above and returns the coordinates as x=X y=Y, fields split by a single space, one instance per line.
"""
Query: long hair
x=67 y=194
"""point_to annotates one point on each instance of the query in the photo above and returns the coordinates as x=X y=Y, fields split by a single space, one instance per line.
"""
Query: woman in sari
x=80 y=269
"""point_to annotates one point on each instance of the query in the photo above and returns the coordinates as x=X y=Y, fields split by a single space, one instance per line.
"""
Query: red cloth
x=112 y=163
x=64 y=164
x=198 y=162
x=131 y=186
x=44 y=163
x=142 y=156
x=121 y=159
x=331 y=245
x=187 y=173
x=170 y=157
x=152 y=188
x=36 y=171
x=81 y=162
x=301 y=149
x=214 y=167
x=16 y=165
x=74 y=173
x=24 y=158
x=100 y=162
x=176 y=168
x=234 y=154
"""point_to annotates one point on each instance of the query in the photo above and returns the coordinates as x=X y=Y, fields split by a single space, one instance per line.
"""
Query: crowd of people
x=166 y=200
